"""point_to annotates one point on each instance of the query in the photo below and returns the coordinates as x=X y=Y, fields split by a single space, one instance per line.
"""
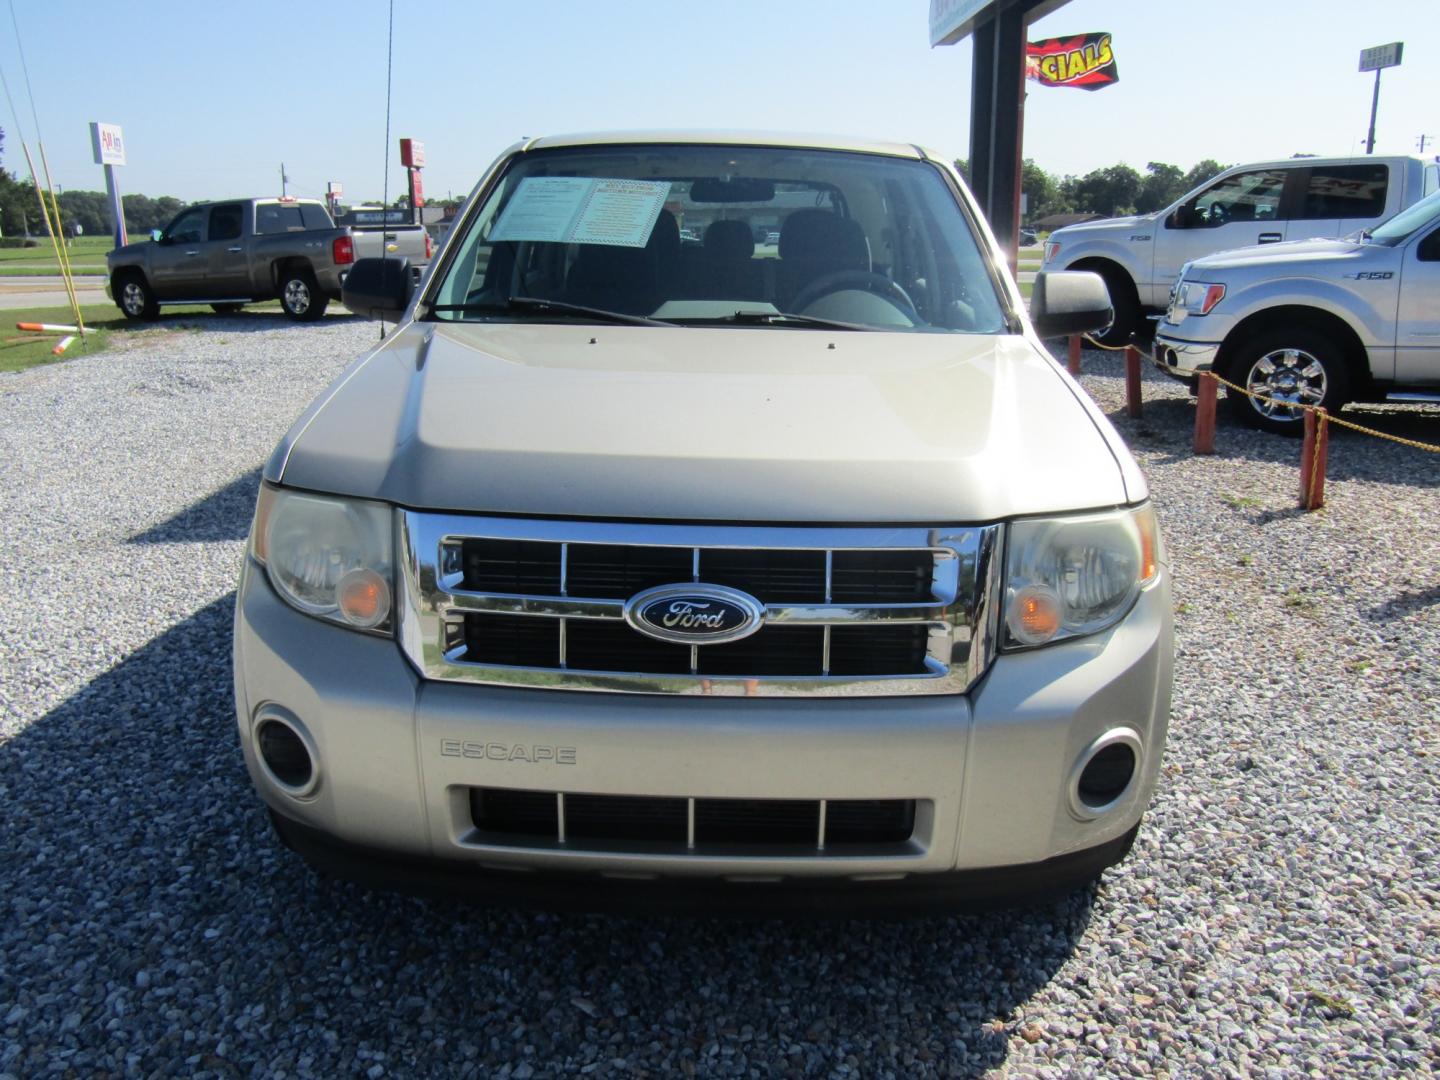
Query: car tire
x=226 y=309
x=134 y=297
x=1126 y=302
x=301 y=297
x=1289 y=365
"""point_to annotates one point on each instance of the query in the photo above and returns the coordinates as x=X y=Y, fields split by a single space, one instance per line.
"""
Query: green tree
x=1163 y=184
x=1205 y=170
x=1111 y=191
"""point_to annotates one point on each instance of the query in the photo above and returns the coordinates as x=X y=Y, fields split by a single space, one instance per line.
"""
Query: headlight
x=326 y=556
x=1068 y=576
x=1198 y=297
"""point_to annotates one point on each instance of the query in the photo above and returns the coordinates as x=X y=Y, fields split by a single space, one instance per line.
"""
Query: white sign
x=953 y=20
x=583 y=210
x=108 y=144
x=334 y=188
x=1381 y=56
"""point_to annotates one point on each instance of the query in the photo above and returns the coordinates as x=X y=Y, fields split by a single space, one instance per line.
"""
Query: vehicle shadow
x=222 y=515
x=133 y=849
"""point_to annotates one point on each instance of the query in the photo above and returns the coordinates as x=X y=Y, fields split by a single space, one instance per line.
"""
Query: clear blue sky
x=212 y=96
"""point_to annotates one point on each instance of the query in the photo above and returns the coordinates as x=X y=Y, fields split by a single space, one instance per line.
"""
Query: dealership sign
x=1381 y=56
x=1084 y=60
x=108 y=143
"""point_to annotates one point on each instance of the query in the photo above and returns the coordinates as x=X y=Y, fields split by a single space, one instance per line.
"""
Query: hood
x=1321 y=249
x=1104 y=224
x=128 y=250
x=732 y=424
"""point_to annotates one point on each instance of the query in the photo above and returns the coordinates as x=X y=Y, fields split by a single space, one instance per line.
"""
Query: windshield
x=1407 y=221
x=722 y=235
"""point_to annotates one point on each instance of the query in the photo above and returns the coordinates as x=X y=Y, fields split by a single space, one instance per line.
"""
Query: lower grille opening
x=625 y=817
x=661 y=823
x=509 y=812
x=757 y=821
x=869 y=821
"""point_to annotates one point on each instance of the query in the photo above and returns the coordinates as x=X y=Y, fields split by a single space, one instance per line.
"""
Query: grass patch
x=1240 y=502
x=10 y=270
x=20 y=350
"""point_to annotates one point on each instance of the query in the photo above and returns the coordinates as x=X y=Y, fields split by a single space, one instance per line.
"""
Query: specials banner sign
x=1085 y=60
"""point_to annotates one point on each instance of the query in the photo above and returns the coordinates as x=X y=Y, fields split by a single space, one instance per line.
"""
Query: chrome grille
x=849 y=611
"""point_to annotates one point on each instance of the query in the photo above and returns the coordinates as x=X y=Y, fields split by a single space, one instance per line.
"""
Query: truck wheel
x=1287 y=366
x=225 y=309
x=301 y=297
x=1126 y=303
x=134 y=298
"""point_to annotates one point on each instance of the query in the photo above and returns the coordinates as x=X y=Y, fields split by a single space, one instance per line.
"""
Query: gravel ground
x=1277 y=917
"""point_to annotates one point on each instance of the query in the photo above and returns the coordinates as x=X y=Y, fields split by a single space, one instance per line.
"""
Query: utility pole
x=285 y=179
x=1422 y=142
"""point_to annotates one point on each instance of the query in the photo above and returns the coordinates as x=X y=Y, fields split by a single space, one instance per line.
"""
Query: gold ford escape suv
x=713 y=530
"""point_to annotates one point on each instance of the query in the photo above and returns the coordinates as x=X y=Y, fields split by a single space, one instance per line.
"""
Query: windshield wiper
x=539 y=305
x=781 y=318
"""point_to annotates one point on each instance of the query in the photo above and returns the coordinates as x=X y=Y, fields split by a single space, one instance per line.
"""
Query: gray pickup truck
x=228 y=254
x=1314 y=322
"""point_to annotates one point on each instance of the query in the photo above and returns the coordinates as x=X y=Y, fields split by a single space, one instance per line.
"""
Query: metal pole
x=1374 y=106
x=117 y=208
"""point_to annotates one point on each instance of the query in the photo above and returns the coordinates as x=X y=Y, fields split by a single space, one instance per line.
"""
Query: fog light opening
x=1105 y=773
x=286 y=755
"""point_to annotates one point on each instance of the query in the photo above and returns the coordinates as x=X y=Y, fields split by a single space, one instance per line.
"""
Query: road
x=26 y=292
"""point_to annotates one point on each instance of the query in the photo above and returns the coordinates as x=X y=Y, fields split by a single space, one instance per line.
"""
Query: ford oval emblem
x=694 y=614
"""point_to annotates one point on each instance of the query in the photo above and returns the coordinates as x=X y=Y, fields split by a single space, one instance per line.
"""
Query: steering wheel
x=866 y=280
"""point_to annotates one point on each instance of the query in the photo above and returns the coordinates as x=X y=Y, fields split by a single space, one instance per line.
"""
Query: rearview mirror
x=378 y=288
x=1070 y=302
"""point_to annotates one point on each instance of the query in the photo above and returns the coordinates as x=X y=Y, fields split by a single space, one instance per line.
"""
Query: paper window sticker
x=543 y=209
x=621 y=213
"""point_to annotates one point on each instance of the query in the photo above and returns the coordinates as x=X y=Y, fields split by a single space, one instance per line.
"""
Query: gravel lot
x=1277 y=917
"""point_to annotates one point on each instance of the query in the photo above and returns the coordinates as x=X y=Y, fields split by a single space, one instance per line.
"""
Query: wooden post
x=1074 y=360
x=1132 y=382
x=1313 y=452
x=1205 y=415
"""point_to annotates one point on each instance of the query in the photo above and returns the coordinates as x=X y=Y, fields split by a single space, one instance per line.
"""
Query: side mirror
x=1070 y=302
x=378 y=288
x=155 y=235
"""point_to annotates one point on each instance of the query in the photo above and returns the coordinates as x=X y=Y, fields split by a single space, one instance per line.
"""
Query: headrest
x=824 y=236
x=730 y=240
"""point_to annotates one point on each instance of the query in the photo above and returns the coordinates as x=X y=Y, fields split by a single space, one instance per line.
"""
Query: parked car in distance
x=1028 y=238
x=1314 y=322
x=1265 y=203
x=233 y=253
x=388 y=234
x=667 y=572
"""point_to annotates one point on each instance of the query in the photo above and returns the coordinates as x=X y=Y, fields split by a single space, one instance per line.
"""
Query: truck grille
x=512 y=817
x=845 y=610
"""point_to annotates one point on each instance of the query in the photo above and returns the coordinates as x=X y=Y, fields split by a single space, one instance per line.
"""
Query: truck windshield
x=722 y=236
x=1407 y=221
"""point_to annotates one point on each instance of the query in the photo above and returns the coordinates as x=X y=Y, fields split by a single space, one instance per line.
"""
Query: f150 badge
x=694 y=614
x=1371 y=275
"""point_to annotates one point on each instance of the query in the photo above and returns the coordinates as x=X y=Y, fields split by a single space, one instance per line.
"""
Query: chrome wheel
x=297 y=296
x=1290 y=378
x=132 y=298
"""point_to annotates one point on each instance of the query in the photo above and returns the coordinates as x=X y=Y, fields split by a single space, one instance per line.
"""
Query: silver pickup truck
x=1265 y=203
x=1314 y=322
x=229 y=254
x=644 y=560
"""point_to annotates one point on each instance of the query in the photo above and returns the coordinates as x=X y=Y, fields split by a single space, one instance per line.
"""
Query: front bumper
x=991 y=771
x=1183 y=359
